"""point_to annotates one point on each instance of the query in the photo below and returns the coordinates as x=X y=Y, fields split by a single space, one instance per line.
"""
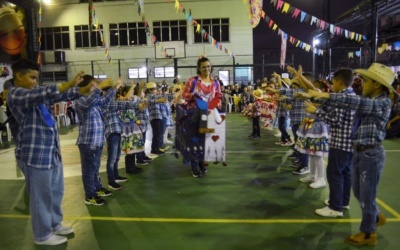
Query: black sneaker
x=141 y=162
x=114 y=186
x=147 y=159
x=256 y=137
x=196 y=173
x=120 y=179
x=134 y=170
x=158 y=152
x=203 y=170
x=104 y=192
x=95 y=201
x=301 y=170
x=296 y=165
x=250 y=137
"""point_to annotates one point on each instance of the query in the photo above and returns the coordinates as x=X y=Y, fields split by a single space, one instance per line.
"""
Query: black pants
x=256 y=126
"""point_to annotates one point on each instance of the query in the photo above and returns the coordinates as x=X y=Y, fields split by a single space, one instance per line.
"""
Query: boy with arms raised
x=38 y=148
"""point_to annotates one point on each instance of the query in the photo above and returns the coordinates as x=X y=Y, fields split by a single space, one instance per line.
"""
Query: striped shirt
x=374 y=115
x=298 y=112
x=37 y=144
x=91 y=127
x=341 y=123
x=111 y=117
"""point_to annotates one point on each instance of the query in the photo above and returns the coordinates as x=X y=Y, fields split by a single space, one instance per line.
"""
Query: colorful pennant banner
x=386 y=46
x=319 y=23
x=298 y=43
x=96 y=24
x=199 y=30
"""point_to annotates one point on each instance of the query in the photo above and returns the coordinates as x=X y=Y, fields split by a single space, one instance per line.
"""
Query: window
x=100 y=77
x=218 y=28
x=86 y=39
x=55 y=38
x=127 y=34
x=223 y=75
x=243 y=74
x=136 y=73
x=170 y=30
x=162 y=72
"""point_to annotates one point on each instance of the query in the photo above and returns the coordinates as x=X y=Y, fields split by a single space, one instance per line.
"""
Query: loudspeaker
x=59 y=56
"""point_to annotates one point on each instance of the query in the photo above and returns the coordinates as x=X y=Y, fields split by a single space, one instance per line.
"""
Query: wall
x=155 y=10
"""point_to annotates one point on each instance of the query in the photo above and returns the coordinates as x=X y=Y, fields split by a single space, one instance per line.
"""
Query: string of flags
x=199 y=30
x=298 y=43
x=39 y=57
x=319 y=23
x=94 y=21
x=386 y=46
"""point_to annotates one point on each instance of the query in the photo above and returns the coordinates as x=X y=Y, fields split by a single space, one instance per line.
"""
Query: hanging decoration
x=298 y=43
x=283 y=49
x=39 y=57
x=199 y=30
x=96 y=24
x=319 y=23
x=255 y=10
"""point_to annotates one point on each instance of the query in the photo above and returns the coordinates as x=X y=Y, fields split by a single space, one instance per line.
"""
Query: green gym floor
x=253 y=203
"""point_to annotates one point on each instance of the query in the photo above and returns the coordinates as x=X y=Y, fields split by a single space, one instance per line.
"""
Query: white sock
x=320 y=167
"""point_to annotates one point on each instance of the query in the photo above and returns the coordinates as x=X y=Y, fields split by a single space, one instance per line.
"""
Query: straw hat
x=287 y=81
x=258 y=94
x=151 y=85
x=295 y=82
x=379 y=73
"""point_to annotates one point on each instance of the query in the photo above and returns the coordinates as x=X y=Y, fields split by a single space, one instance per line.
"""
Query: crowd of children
x=326 y=120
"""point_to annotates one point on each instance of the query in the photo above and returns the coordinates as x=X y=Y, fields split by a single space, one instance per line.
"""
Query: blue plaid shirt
x=340 y=120
x=91 y=127
x=37 y=144
x=156 y=110
x=111 y=116
x=374 y=114
x=298 y=112
x=280 y=110
x=143 y=117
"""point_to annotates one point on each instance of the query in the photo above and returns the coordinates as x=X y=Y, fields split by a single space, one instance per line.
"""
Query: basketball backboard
x=170 y=49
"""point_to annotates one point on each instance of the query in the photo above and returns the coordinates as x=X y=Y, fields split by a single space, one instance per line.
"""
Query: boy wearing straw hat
x=256 y=113
x=372 y=114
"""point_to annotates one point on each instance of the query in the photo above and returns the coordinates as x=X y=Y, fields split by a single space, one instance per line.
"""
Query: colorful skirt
x=313 y=137
x=132 y=140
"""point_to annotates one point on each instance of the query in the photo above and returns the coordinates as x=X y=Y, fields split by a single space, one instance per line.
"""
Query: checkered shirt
x=298 y=112
x=374 y=115
x=111 y=116
x=341 y=123
x=280 y=110
x=155 y=109
x=91 y=127
x=37 y=145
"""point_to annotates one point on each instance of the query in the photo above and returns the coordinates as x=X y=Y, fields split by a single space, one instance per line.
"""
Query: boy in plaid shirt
x=372 y=113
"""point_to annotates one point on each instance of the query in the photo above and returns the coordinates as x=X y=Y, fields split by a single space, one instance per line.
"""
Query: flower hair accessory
x=4 y=72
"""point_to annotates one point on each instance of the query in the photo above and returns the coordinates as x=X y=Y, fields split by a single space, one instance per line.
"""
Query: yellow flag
x=298 y=43
x=286 y=7
x=177 y=5
x=198 y=28
x=274 y=27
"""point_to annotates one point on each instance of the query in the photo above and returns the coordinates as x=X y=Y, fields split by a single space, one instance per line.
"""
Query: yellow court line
x=192 y=220
x=388 y=208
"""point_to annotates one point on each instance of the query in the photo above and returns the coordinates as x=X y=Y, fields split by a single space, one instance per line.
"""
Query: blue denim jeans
x=90 y=162
x=113 y=154
x=367 y=169
x=282 y=125
x=157 y=127
x=46 y=190
x=338 y=174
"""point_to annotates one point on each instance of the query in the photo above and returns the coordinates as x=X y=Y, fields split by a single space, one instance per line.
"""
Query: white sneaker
x=318 y=184
x=52 y=241
x=168 y=142
x=327 y=212
x=308 y=178
x=278 y=134
x=326 y=202
x=63 y=230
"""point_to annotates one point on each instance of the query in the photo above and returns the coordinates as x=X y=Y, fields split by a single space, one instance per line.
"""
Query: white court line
x=280 y=151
